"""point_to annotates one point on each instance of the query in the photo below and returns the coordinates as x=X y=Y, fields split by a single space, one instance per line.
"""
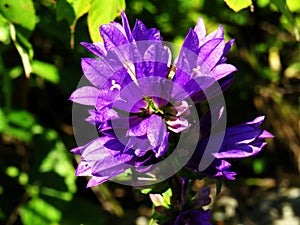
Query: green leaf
x=79 y=7
x=103 y=13
x=57 y=160
x=12 y=171
x=280 y=4
x=45 y=70
x=263 y=3
x=157 y=188
x=293 y=71
x=19 y=12
x=3 y=120
x=17 y=124
x=24 y=48
x=21 y=119
x=293 y=5
x=64 y=10
x=51 y=192
x=4 y=31
x=39 y=212
x=258 y=166
x=237 y=5
x=15 y=72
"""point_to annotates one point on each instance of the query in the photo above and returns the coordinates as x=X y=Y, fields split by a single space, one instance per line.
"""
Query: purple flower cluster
x=142 y=102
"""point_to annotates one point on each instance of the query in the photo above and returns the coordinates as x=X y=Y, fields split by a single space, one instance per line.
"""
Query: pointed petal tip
x=94 y=181
x=75 y=150
x=123 y=14
x=231 y=41
x=257 y=121
x=266 y=134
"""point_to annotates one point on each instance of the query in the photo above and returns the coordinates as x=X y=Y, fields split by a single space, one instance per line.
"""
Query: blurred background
x=40 y=55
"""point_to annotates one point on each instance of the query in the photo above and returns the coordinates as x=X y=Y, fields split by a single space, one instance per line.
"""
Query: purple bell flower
x=141 y=103
x=240 y=141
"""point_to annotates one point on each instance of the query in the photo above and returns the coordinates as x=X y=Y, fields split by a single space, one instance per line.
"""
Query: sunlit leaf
x=12 y=171
x=15 y=72
x=293 y=71
x=45 y=70
x=39 y=212
x=21 y=119
x=3 y=120
x=263 y=3
x=280 y=4
x=17 y=124
x=103 y=13
x=4 y=31
x=23 y=178
x=66 y=196
x=237 y=5
x=24 y=48
x=19 y=12
x=18 y=133
x=293 y=5
x=79 y=8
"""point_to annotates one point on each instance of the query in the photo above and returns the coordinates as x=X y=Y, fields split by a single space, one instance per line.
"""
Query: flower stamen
x=196 y=71
x=114 y=86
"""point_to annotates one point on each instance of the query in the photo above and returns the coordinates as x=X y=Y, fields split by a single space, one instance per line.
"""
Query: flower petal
x=156 y=131
x=209 y=54
x=241 y=151
x=141 y=33
x=113 y=35
x=96 y=71
x=156 y=59
x=94 y=181
x=85 y=95
x=126 y=26
x=222 y=70
x=140 y=129
x=200 y=29
x=97 y=49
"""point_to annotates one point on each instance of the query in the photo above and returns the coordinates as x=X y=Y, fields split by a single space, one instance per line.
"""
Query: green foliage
x=39 y=212
x=19 y=12
x=157 y=188
x=281 y=5
x=237 y=5
x=45 y=70
x=51 y=174
x=4 y=31
x=17 y=124
x=103 y=13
